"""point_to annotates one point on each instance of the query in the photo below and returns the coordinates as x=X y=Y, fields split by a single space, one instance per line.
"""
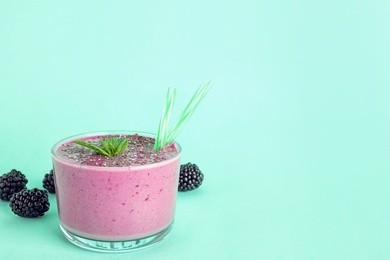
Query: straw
x=162 y=132
x=189 y=110
x=164 y=137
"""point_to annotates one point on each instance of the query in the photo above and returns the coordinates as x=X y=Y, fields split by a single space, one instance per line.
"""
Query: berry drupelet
x=48 y=182
x=11 y=183
x=30 y=203
x=190 y=177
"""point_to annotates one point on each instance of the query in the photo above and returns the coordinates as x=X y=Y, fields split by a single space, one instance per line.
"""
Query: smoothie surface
x=140 y=151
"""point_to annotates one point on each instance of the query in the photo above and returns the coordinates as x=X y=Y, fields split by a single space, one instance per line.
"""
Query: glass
x=115 y=209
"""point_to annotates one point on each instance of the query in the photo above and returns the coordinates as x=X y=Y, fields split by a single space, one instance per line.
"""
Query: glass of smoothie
x=118 y=203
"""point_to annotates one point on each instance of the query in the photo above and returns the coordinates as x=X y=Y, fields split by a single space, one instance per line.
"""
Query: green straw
x=162 y=132
x=189 y=110
x=164 y=137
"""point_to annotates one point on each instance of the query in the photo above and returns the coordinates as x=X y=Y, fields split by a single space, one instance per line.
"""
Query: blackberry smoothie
x=116 y=203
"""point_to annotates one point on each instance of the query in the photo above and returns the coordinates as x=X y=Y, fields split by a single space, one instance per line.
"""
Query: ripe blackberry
x=11 y=183
x=30 y=203
x=190 y=177
x=48 y=182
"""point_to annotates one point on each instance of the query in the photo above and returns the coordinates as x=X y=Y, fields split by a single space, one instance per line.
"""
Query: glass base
x=116 y=246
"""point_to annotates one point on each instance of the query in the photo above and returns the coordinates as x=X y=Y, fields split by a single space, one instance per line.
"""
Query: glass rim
x=112 y=132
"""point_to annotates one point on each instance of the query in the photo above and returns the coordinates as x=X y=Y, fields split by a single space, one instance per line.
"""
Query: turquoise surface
x=293 y=137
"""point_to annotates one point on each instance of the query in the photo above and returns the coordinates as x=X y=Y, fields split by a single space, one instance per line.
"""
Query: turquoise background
x=293 y=137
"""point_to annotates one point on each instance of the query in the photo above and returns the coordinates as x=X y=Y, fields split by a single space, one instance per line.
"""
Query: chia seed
x=140 y=151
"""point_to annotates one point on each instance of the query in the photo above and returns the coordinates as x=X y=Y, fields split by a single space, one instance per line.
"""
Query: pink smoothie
x=115 y=203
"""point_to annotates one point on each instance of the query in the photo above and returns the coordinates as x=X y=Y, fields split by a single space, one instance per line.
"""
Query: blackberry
x=11 y=183
x=48 y=182
x=190 y=177
x=30 y=203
